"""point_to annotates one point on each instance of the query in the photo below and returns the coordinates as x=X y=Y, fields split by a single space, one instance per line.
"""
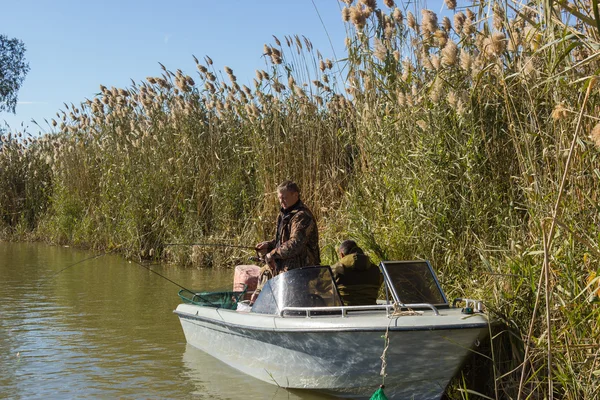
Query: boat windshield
x=412 y=282
x=301 y=287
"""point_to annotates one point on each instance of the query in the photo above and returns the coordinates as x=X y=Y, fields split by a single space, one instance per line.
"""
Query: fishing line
x=138 y=263
x=80 y=262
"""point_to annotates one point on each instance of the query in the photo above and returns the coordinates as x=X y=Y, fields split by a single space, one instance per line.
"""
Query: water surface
x=105 y=328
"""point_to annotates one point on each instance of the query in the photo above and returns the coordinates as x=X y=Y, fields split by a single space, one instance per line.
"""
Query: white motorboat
x=299 y=334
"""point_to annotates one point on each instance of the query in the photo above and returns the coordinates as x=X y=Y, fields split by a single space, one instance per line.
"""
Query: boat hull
x=340 y=355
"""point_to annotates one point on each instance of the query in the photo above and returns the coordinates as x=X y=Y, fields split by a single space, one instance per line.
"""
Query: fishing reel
x=262 y=260
x=258 y=258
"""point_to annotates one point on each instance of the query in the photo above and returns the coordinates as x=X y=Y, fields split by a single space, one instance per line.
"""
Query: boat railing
x=343 y=310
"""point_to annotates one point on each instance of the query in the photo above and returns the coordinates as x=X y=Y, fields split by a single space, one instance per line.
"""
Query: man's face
x=287 y=198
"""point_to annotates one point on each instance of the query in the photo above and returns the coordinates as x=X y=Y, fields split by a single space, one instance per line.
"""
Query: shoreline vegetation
x=470 y=140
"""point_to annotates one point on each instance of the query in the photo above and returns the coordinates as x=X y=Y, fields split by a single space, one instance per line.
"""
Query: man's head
x=288 y=194
x=349 y=247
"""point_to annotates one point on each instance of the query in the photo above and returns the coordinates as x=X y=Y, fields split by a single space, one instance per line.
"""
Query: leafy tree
x=13 y=69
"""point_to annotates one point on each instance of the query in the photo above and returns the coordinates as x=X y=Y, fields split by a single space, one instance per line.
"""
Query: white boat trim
x=224 y=323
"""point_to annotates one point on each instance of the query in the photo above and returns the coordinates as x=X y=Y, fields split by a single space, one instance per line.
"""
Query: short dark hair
x=350 y=247
x=288 y=186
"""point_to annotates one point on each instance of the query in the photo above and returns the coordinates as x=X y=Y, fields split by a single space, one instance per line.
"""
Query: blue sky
x=74 y=46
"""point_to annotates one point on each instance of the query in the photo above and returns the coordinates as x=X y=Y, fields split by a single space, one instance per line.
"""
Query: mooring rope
x=382 y=373
x=398 y=312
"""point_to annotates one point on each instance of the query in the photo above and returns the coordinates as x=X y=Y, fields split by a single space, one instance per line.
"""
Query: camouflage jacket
x=357 y=279
x=296 y=242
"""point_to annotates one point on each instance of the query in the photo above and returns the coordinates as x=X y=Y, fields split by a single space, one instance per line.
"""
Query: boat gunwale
x=382 y=328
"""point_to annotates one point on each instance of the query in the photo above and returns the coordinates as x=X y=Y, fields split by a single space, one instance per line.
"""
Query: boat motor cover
x=300 y=287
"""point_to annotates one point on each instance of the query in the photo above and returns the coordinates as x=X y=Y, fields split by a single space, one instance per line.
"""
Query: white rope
x=383 y=361
x=398 y=312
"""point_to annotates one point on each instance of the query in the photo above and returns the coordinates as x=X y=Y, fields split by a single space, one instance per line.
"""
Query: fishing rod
x=255 y=259
x=174 y=283
x=162 y=276
x=212 y=245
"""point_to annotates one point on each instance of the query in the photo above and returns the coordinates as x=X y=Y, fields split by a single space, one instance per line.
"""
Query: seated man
x=357 y=278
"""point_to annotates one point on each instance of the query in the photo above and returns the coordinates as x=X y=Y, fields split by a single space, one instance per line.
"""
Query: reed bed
x=469 y=139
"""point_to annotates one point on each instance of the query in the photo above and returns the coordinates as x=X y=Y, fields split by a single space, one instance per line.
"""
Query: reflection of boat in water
x=214 y=379
x=299 y=335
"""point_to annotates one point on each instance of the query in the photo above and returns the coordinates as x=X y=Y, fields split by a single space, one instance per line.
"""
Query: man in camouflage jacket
x=296 y=242
x=357 y=278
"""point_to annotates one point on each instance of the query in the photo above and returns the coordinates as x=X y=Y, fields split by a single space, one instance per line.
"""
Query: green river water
x=105 y=329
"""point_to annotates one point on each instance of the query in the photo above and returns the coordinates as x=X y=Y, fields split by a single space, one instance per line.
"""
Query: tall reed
x=469 y=139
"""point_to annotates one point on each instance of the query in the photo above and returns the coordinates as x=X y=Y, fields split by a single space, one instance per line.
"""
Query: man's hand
x=262 y=248
x=270 y=261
